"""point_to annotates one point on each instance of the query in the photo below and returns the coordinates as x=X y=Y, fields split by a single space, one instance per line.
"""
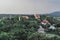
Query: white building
x=41 y=29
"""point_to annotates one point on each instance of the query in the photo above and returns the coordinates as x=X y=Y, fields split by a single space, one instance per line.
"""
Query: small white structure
x=19 y=18
x=52 y=27
x=41 y=29
x=43 y=23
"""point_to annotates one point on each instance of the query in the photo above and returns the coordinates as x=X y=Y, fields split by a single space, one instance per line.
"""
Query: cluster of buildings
x=43 y=22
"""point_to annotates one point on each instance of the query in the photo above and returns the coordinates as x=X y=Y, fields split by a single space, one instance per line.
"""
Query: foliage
x=13 y=29
x=25 y=29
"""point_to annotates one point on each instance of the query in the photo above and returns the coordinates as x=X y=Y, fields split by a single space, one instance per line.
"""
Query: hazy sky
x=29 y=6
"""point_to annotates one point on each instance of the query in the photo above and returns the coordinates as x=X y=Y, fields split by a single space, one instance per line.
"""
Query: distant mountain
x=56 y=14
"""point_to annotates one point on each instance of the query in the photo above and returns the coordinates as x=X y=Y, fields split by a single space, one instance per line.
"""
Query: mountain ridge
x=56 y=14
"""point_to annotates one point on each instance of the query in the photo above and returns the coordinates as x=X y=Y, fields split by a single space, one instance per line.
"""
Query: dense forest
x=26 y=28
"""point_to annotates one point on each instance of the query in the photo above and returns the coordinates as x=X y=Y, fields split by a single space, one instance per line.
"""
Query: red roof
x=45 y=21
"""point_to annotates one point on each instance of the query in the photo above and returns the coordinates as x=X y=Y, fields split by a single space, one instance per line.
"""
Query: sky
x=29 y=6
